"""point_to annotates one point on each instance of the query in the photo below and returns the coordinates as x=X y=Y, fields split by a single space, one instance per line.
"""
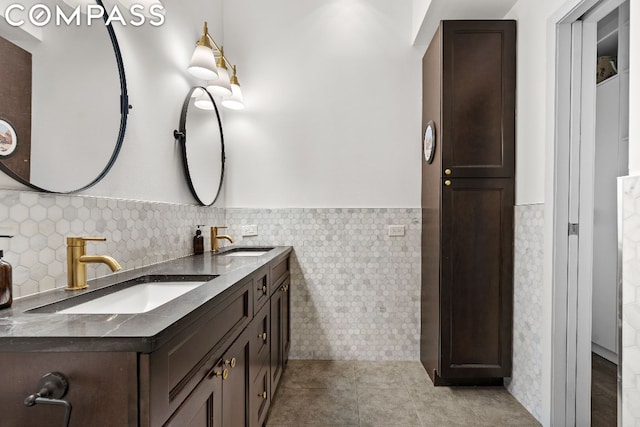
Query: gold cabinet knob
x=231 y=362
x=224 y=374
x=447 y=171
x=263 y=336
x=263 y=288
x=263 y=395
x=447 y=182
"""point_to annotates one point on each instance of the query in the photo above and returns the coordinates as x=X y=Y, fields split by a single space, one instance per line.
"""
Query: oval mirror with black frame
x=67 y=99
x=202 y=142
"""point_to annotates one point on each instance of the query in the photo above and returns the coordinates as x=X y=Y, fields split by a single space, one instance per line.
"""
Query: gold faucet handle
x=80 y=241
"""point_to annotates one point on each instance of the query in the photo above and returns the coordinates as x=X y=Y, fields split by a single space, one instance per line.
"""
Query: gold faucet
x=77 y=261
x=215 y=236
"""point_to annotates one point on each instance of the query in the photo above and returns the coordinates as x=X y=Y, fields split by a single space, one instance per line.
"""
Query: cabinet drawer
x=278 y=270
x=259 y=340
x=259 y=398
x=261 y=288
x=177 y=367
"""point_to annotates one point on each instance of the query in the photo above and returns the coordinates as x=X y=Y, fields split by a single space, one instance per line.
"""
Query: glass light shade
x=203 y=64
x=203 y=102
x=235 y=101
x=221 y=87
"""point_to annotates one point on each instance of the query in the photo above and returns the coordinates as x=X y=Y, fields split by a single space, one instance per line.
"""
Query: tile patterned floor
x=385 y=394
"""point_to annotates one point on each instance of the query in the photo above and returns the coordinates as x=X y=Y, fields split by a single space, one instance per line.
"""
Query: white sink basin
x=135 y=299
x=246 y=253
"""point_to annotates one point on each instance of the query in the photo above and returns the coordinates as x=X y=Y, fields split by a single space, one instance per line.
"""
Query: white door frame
x=570 y=160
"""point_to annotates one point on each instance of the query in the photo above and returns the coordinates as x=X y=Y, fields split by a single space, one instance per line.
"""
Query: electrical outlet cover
x=249 y=230
x=396 y=230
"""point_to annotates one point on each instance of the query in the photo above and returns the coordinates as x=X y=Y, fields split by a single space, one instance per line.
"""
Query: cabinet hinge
x=574 y=229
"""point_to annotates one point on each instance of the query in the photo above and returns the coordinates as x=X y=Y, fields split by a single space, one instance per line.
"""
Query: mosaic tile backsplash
x=525 y=384
x=355 y=291
x=138 y=234
x=631 y=302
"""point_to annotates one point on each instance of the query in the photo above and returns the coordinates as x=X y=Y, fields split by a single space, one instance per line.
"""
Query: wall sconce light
x=235 y=101
x=204 y=66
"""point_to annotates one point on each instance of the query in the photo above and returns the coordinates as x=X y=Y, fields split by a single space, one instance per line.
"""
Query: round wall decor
x=429 y=141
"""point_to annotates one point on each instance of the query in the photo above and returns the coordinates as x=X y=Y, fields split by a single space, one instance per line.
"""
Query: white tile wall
x=631 y=302
x=355 y=291
x=525 y=384
x=138 y=234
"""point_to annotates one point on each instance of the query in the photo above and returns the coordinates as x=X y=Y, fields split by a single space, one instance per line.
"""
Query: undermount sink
x=246 y=252
x=134 y=296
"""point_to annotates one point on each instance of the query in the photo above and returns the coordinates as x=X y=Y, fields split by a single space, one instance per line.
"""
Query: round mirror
x=200 y=135
x=67 y=99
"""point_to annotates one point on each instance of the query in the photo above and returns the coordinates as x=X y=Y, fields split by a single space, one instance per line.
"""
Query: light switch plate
x=249 y=230
x=396 y=230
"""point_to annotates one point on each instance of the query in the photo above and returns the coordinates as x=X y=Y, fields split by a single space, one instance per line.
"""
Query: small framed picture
x=8 y=138
x=429 y=141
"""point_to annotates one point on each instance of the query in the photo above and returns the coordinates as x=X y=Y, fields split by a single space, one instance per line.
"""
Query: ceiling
x=437 y=10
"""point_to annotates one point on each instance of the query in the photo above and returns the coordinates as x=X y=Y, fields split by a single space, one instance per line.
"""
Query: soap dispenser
x=6 y=283
x=198 y=241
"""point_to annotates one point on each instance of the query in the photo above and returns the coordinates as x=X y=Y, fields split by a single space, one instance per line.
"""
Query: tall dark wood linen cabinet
x=469 y=84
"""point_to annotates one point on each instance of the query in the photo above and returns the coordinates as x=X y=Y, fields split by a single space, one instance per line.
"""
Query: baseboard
x=606 y=353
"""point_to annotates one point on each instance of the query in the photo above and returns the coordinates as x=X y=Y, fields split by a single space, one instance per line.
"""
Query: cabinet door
x=477 y=278
x=259 y=342
x=203 y=408
x=260 y=398
x=286 y=321
x=277 y=357
x=478 y=98
x=235 y=387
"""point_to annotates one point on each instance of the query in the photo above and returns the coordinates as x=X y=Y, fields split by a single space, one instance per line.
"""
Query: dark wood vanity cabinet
x=215 y=372
x=245 y=370
x=468 y=202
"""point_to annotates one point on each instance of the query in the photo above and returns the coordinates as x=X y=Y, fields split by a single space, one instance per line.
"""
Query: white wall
x=420 y=9
x=532 y=102
x=333 y=99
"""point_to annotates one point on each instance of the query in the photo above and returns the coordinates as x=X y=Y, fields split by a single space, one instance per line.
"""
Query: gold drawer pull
x=447 y=182
x=447 y=171
x=263 y=336
x=263 y=289
x=231 y=362
x=263 y=395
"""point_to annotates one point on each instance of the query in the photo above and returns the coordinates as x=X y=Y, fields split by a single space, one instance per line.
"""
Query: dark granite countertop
x=24 y=331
